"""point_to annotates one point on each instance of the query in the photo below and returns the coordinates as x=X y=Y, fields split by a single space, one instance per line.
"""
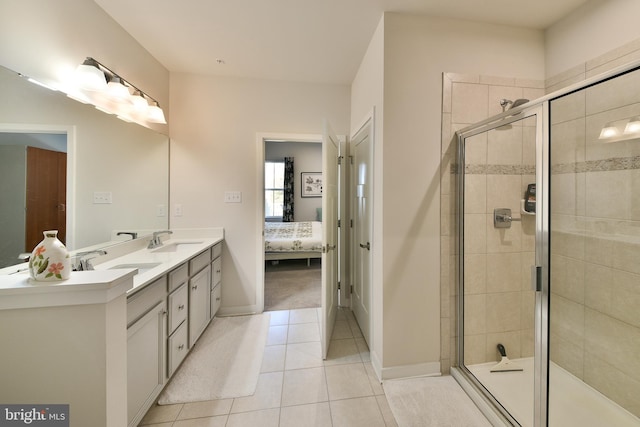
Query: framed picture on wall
x=311 y=184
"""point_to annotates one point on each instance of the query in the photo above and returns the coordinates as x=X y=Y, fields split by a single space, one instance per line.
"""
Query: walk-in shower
x=548 y=219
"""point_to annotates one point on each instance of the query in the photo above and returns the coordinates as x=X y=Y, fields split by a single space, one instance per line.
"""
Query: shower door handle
x=536 y=278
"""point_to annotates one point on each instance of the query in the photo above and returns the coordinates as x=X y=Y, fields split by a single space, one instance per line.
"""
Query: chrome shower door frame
x=540 y=110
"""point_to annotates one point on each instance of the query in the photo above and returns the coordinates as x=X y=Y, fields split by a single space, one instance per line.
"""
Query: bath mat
x=432 y=401
x=224 y=363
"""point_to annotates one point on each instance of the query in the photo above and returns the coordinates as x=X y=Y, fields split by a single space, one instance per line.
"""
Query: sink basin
x=142 y=266
x=175 y=246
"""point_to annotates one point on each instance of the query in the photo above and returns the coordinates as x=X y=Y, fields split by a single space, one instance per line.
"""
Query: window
x=273 y=189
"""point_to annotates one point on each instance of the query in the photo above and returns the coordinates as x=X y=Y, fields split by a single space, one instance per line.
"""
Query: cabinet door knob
x=218 y=299
x=181 y=346
x=181 y=307
x=194 y=287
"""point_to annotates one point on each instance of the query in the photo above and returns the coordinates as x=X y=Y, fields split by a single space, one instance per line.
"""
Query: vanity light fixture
x=89 y=76
x=90 y=85
x=155 y=113
x=117 y=89
x=633 y=126
x=609 y=131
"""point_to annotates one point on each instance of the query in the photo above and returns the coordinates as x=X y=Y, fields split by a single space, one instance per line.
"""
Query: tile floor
x=296 y=387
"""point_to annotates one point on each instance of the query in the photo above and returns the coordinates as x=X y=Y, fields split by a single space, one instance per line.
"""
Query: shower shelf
x=522 y=211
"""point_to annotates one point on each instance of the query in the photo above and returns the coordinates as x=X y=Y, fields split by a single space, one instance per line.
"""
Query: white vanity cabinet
x=146 y=347
x=178 y=303
x=199 y=295
x=164 y=320
x=216 y=279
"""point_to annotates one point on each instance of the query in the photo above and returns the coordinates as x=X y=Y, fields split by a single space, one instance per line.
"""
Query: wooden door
x=46 y=195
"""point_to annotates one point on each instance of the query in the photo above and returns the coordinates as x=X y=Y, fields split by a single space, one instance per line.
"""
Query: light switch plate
x=161 y=210
x=102 y=197
x=233 y=196
x=177 y=209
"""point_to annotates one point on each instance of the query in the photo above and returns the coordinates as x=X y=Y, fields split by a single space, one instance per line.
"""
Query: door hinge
x=351 y=289
x=351 y=223
x=340 y=159
x=338 y=285
x=351 y=159
x=339 y=223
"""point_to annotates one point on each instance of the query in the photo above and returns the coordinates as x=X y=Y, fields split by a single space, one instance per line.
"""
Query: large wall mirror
x=94 y=173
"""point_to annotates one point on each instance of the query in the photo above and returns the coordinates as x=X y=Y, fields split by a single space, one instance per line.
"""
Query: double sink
x=151 y=263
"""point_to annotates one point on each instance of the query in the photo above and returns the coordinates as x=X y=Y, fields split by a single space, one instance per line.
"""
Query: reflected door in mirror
x=46 y=195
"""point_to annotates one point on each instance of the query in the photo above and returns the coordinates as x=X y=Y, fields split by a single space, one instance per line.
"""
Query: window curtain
x=287 y=208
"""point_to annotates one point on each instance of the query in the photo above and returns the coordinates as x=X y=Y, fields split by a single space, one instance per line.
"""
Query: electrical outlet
x=233 y=196
x=102 y=197
x=161 y=210
x=177 y=210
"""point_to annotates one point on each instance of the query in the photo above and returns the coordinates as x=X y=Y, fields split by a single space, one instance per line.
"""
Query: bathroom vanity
x=107 y=341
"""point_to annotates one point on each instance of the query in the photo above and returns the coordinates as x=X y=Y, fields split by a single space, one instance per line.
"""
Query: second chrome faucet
x=155 y=239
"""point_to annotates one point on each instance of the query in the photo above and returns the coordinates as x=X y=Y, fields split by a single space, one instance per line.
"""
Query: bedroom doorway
x=293 y=240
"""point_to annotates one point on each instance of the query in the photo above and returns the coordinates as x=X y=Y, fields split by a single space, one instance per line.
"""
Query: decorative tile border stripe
x=613 y=164
x=499 y=170
x=605 y=165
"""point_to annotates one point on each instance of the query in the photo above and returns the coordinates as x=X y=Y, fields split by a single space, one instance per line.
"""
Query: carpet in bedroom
x=224 y=363
x=290 y=284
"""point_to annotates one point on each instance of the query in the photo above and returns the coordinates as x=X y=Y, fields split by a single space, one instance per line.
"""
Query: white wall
x=213 y=149
x=592 y=30
x=307 y=158
x=417 y=50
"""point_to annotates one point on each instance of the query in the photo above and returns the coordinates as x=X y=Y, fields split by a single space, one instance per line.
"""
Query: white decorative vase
x=50 y=259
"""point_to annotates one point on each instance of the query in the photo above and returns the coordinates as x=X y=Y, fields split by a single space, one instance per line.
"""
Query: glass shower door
x=594 y=300
x=498 y=249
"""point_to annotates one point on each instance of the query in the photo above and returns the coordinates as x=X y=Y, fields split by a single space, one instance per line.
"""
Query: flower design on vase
x=55 y=269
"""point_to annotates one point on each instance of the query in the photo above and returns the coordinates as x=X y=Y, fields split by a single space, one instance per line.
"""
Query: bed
x=292 y=240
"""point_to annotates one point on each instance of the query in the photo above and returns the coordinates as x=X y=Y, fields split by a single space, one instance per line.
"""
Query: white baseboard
x=240 y=310
x=430 y=369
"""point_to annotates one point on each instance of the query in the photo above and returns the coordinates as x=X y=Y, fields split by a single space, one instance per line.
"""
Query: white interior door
x=361 y=191
x=330 y=152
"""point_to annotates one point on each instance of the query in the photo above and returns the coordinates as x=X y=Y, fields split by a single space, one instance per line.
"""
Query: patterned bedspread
x=293 y=236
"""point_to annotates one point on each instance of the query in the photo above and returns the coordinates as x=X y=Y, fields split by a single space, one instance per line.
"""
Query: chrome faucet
x=155 y=240
x=84 y=264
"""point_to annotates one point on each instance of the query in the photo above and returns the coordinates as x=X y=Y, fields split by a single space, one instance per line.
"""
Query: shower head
x=518 y=102
x=504 y=103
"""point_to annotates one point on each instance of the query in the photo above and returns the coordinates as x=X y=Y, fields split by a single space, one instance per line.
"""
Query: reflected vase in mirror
x=50 y=259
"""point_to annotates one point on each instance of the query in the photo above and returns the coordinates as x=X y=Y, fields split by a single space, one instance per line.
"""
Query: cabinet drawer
x=143 y=301
x=216 y=299
x=178 y=276
x=216 y=250
x=178 y=307
x=177 y=343
x=199 y=262
x=216 y=266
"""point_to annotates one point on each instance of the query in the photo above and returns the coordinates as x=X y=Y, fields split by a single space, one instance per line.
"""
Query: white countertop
x=105 y=283
x=166 y=260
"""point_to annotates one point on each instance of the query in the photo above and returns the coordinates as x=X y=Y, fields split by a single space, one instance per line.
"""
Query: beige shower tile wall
x=498 y=301
x=595 y=238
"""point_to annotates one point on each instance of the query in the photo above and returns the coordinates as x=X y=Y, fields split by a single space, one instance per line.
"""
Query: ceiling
x=295 y=40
